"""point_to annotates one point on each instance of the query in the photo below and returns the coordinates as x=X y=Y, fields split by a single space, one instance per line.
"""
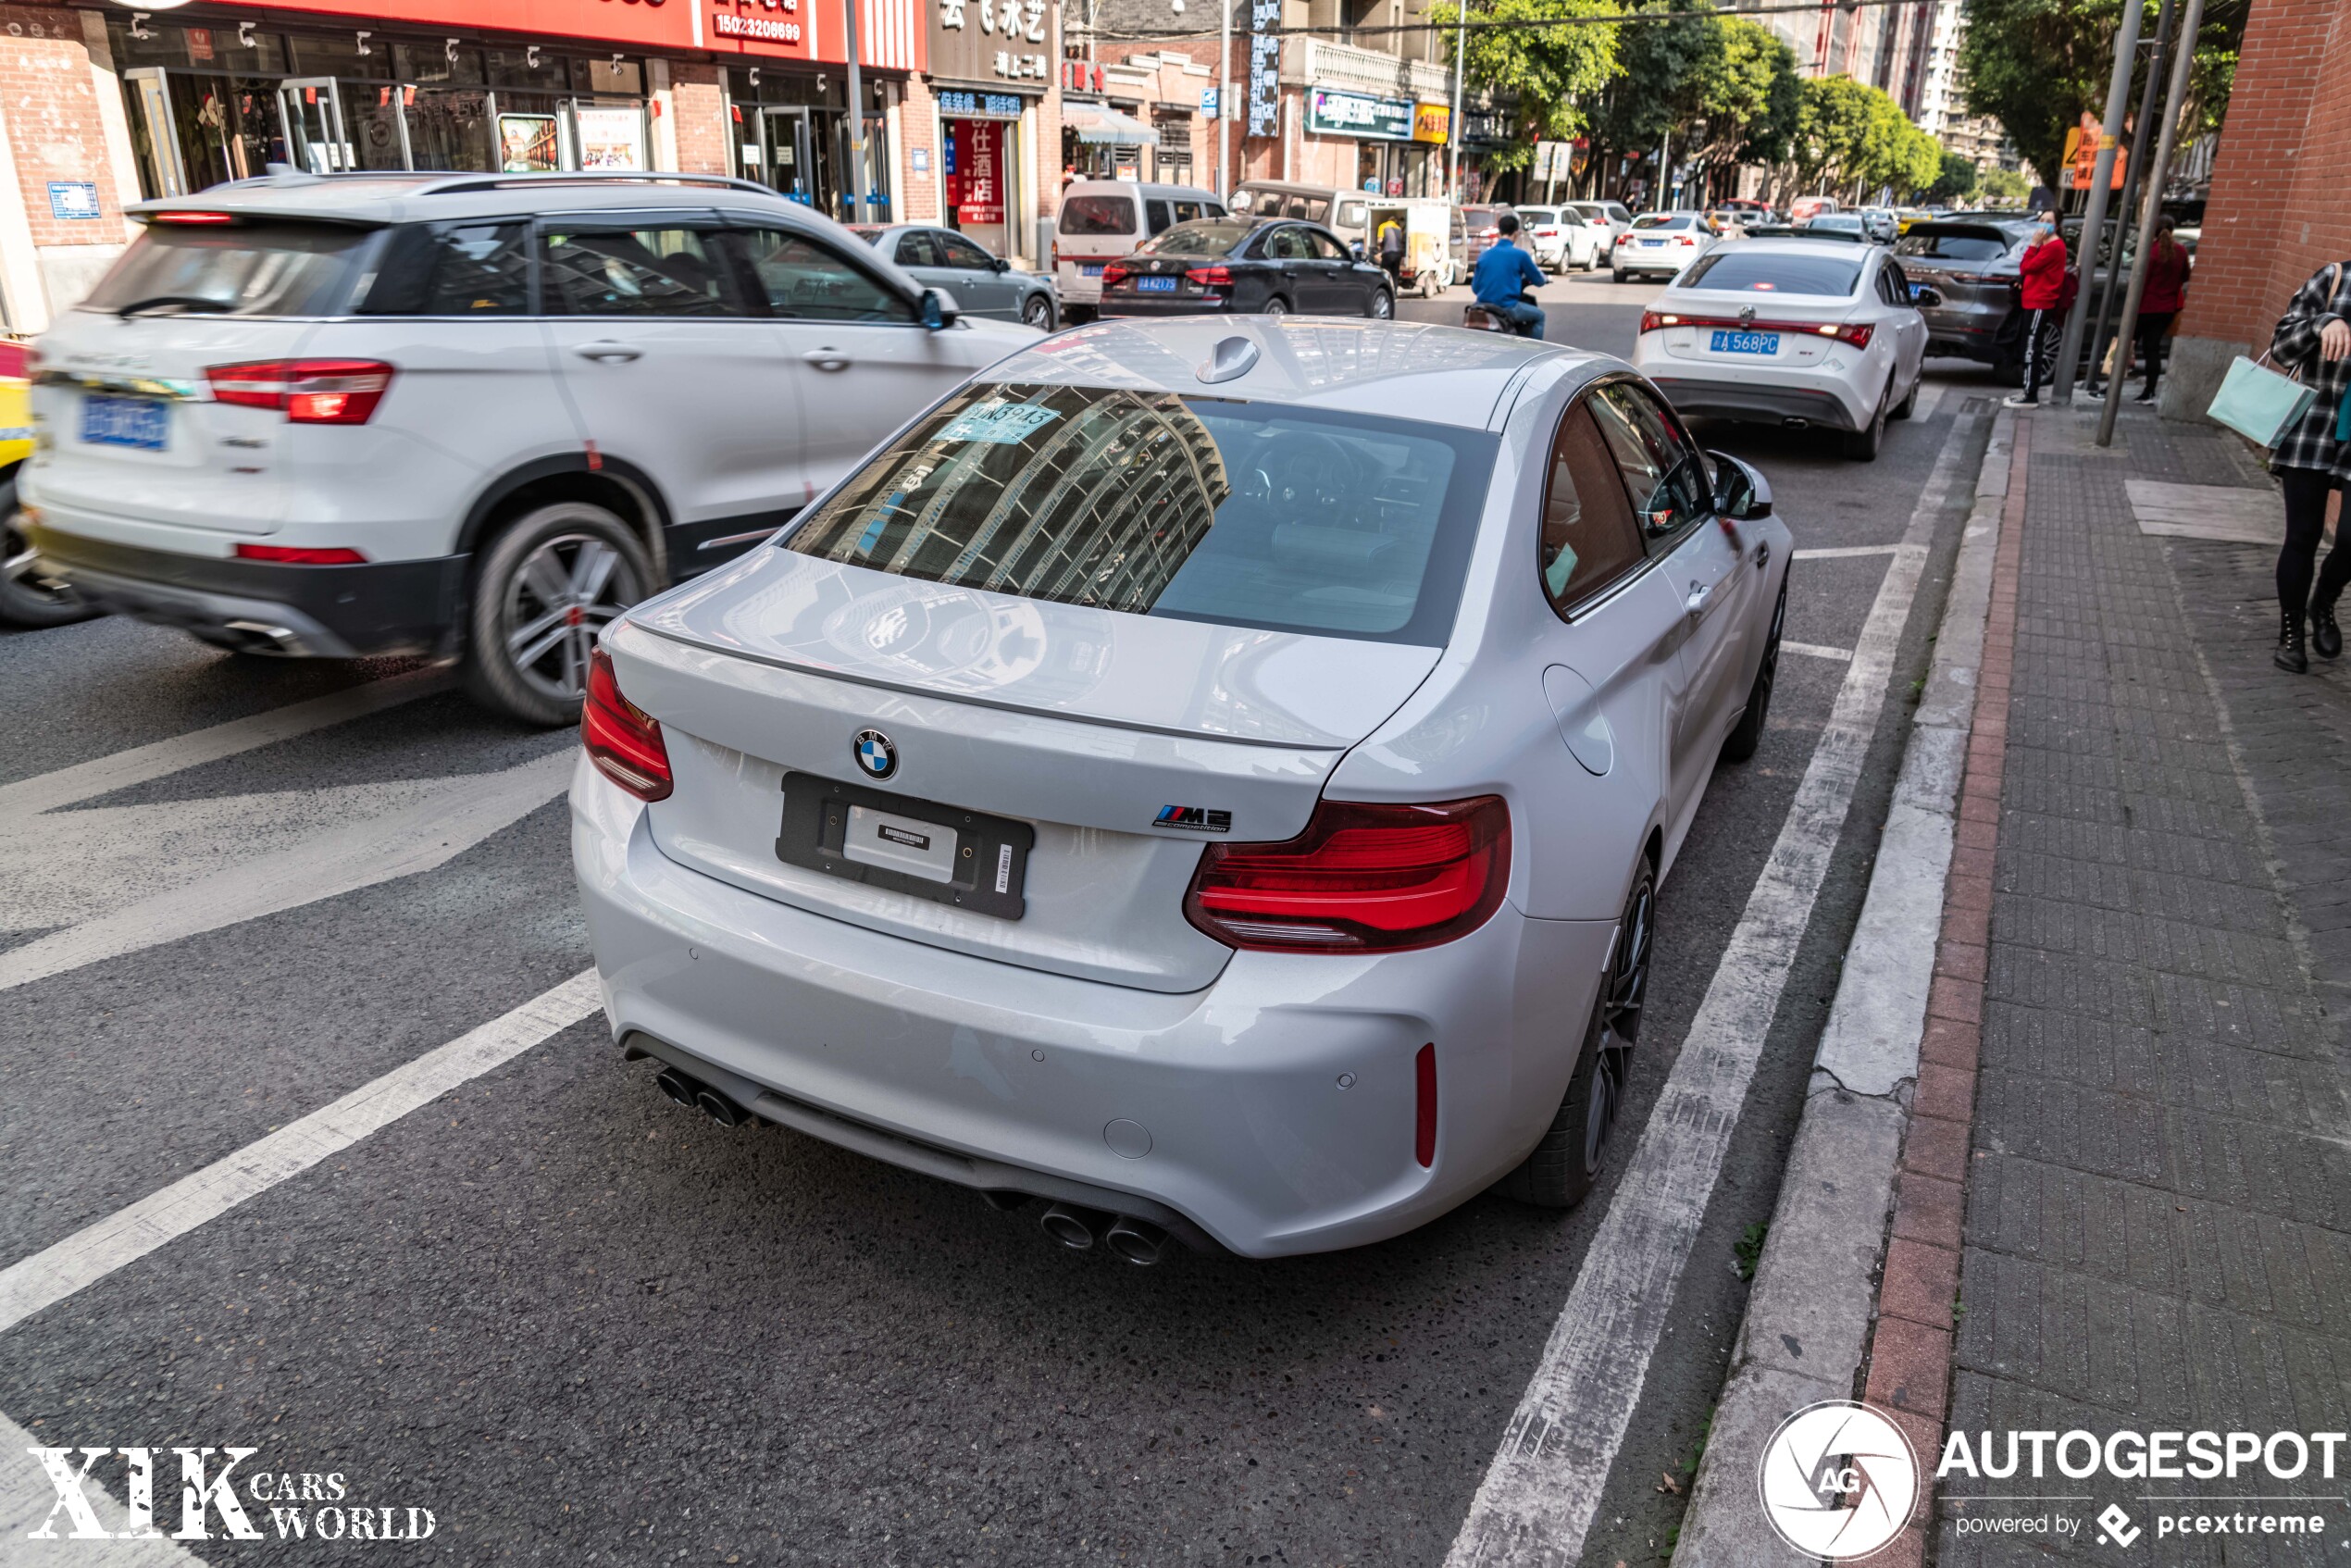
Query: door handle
x=604 y=349
x=1762 y=554
x=1701 y=596
x=826 y=358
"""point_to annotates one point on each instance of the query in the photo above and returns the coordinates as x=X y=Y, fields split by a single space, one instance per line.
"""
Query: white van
x=1103 y=220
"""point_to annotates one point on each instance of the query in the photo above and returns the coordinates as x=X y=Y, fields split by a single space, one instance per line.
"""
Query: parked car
x=1882 y=225
x=982 y=284
x=1661 y=244
x=1242 y=266
x=1843 y=226
x=32 y=594
x=1612 y=217
x=1803 y=209
x=1201 y=780
x=1103 y=220
x=1794 y=331
x=1479 y=220
x=1561 y=239
x=1972 y=266
x=1343 y=209
x=472 y=414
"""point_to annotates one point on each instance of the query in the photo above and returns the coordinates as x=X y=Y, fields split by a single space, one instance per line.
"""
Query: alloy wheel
x=565 y=593
x=1038 y=313
x=32 y=591
x=1624 y=993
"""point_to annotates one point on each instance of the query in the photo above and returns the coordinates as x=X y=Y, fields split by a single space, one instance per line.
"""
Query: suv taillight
x=310 y=392
x=1364 y=877
x=622 y=740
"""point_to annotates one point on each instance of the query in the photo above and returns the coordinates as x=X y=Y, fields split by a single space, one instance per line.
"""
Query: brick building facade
x=2277 y=212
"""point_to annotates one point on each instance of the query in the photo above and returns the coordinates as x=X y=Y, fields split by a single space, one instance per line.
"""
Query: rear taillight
x=1653 y=321
x=302 y=555
x=1686 y=239
x=1362 y=876
x=310 y=392
x=1211 y=276
x=622 y=740
x=1112 y=274
x=1856 y=333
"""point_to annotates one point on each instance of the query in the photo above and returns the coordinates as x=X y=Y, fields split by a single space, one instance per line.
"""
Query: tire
x=1564 y=1165
x=1863 y=445
x=547 y=585
x=1383 y=305
x=1910 y=404
x=1038 y=313
x=1618 y=273
x=1274 y=305
x=28 y=598
x=1748 y=733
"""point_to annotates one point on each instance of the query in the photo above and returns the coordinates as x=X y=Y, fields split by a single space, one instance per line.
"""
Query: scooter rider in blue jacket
x=1502 y=272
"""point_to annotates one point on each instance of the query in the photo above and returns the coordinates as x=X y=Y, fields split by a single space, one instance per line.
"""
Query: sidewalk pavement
x=2122 y=1196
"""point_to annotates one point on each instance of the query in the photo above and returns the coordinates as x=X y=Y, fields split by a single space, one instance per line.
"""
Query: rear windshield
x=1154 y=504
x=1662 y=220
x=1098 y=215
x=1206 y=236
x=267 y=268
x=1768 y=272
x=1953 y=244
x=1538 y=215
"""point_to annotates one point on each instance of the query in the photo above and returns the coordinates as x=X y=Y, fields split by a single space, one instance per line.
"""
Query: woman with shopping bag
x=2312 y=458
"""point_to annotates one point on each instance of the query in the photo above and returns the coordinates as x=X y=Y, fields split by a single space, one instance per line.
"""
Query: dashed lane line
x=1845 y=552
x=1817 y=650
x=89 y=1256
x=119 y=770
x=1544 y=1486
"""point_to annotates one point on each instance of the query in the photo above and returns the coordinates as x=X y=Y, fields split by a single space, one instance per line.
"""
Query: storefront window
x=791 y=133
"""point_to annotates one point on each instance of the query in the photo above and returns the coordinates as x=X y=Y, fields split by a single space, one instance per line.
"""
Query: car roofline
x=258 y=191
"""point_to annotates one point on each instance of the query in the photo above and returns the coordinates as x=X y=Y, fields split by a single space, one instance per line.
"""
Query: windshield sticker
x=999 y=423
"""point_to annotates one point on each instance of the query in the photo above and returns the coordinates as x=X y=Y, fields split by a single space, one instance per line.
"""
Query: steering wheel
x=1315 y=481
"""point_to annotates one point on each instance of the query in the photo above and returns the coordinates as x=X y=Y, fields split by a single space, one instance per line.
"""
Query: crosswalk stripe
x=89 y=1256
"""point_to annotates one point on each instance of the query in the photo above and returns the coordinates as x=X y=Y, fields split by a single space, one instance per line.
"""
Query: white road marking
x=89 y=1256
x=27 y=1496
x=2227 y=513
x=1930 y=397
x=428 y=827
x=103 y=775
x=1537 y=1500
x=1817 y=650
x=1840 y=552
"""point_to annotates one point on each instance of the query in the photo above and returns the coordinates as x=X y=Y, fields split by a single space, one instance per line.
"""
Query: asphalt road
x=582 y=1325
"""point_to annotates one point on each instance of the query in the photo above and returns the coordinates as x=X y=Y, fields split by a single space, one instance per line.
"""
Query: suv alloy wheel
x=547 y=586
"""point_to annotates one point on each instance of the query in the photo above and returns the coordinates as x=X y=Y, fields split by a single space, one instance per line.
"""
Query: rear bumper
x=1274 y=1110
x=1754 y=400
x=325 y=612
x=1165 y=304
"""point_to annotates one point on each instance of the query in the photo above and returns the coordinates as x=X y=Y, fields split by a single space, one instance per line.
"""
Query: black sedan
x=1245 y=267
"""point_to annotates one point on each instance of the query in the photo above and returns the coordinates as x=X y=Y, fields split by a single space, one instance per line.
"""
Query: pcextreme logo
x=297 y=1505
x=1837 y=1480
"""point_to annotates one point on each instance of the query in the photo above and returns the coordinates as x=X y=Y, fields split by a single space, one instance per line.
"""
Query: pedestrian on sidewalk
x=2313 y=458
x=2160 y=303
x=2042 y=272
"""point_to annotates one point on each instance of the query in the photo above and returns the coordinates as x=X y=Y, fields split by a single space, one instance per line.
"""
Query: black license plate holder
x=990 y=868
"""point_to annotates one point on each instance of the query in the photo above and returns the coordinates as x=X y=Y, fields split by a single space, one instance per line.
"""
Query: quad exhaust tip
x=1139 y=1241
x=1073 y=1228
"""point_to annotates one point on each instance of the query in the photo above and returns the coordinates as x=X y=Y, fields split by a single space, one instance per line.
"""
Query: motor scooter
x=1478 y=318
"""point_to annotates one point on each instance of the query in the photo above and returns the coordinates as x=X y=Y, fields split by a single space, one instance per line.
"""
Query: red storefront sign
x=975 y=171
x=793 y=29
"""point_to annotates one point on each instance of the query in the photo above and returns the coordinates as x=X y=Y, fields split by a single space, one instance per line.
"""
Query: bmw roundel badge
x=876 y=756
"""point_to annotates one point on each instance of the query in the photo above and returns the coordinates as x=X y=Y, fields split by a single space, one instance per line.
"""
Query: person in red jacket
x=2168 y=272
x=2041 y=273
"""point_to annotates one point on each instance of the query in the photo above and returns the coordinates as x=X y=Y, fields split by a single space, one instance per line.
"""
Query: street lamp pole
x=2110 y=291
x=1224 y=109
x=2118 y=98
x=1453 y=135
x=2181 y=65
x=856 y=122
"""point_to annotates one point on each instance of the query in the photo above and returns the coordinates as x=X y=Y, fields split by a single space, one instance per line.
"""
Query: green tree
x=1552 y=71
x=1737 y=79
x=2005 y=185
x=2036 y=65
x=1957 y=179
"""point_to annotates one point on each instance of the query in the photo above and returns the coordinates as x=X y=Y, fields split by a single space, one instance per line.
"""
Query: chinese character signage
x=994 y=41
x=957 y=103
x=1432 y=122
x=975 y=170
x=1265 y=67
x=1359 y=114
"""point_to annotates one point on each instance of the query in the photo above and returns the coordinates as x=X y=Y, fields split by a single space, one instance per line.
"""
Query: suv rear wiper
x=155 y=302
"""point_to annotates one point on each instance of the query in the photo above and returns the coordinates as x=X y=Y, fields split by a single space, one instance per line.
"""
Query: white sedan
x=1562 y=239
x=1797 y=332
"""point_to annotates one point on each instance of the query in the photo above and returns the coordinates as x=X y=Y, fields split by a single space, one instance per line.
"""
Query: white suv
x=463 y=415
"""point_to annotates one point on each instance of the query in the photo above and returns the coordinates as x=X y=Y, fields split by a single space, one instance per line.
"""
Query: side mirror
x=1741 y=494
x=939 y=309
x=998 y=263
x=1358 y=248
x=1926 y=297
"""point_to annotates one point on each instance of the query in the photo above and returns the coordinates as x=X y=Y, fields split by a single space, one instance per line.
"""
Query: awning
x=1105 y=127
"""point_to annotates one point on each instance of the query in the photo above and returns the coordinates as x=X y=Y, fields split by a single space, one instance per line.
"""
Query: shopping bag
x=2259 y=403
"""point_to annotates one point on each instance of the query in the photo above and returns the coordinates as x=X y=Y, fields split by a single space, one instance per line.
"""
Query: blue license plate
x=1156 y=285
x=1652 y=242
x=1745 y=342
x=125 y=421
x=1089 y=270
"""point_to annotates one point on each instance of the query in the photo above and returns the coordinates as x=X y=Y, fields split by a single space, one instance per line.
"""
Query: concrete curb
x=1813 y=1306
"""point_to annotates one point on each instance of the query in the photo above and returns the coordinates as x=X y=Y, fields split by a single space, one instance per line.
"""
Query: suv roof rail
x=456 y=183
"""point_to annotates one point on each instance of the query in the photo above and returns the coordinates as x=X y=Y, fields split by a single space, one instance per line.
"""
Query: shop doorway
x=787 y=155
x=312 y=111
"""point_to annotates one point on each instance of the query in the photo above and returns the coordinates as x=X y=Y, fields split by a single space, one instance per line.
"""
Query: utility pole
x=857 y=124
x=2118 y=98
x=1454 y=135
x=2111 y=293
x=1224 y=107
x=2181 y=66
